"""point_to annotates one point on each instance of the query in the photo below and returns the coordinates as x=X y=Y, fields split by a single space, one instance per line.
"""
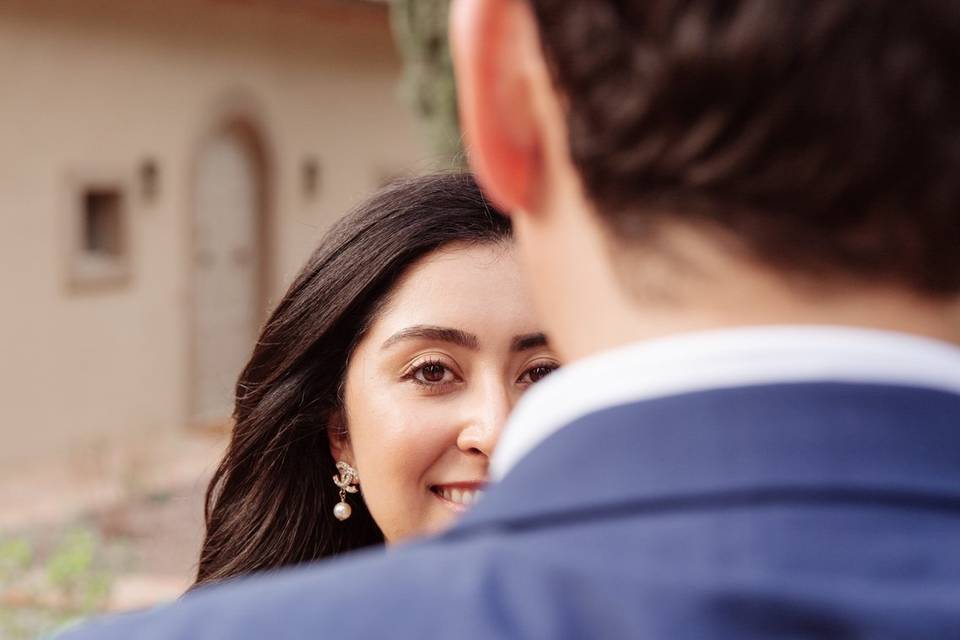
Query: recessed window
x=99 y=251
x=101 y=224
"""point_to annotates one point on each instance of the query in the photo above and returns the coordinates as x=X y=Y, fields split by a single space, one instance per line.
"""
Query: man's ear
x=490 y=43
x=338 y=439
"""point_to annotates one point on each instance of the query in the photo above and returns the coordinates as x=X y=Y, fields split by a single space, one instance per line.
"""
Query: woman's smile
x=458 y=496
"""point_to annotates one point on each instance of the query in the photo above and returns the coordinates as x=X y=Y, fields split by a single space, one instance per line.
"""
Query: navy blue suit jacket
x=780 y=511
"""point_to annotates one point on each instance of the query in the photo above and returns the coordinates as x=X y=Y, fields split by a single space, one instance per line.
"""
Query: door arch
x=227 y=266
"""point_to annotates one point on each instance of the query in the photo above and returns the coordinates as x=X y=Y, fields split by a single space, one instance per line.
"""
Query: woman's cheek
x=414 y=436
x=397 y=439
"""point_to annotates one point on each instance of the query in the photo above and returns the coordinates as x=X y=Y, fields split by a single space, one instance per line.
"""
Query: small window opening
x=102 y=224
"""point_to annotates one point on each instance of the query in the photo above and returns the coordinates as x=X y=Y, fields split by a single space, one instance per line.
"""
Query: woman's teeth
x=465 y=497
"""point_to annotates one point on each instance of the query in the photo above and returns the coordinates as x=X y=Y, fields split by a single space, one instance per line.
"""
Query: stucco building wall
x=90 y=90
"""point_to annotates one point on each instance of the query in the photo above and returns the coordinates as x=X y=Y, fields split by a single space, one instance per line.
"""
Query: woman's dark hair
x=269 y=503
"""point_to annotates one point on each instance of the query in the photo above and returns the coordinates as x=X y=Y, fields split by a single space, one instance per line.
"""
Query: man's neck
x=882 y=310
x=718 y=291
x=595 y=293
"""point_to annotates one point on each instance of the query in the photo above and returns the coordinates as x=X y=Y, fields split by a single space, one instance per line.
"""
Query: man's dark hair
x=823 y=136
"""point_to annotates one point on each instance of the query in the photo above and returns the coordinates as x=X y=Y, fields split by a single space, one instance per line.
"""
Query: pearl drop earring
x=347 y=481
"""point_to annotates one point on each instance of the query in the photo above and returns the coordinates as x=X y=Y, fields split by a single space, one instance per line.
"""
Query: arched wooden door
x=226 y=269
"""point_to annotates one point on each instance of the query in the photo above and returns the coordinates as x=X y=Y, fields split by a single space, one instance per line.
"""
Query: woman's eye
x=537 y=373
x=432 y=373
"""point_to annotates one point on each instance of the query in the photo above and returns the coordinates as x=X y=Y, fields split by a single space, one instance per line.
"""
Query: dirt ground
x=76 y=543
x=163 y=530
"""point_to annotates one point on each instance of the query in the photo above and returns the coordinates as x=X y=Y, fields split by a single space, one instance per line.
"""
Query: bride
x=377 y=390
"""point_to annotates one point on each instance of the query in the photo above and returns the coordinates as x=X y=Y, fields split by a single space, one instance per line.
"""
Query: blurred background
x=166 y=166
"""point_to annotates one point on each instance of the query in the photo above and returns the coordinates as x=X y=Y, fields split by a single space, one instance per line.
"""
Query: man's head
x=676 y=164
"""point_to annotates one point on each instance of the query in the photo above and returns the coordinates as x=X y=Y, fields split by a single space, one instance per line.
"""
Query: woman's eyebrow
x=528 y=341
x=429 y=332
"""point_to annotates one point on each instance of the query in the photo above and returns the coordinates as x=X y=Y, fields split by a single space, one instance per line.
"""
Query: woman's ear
x=338 y=437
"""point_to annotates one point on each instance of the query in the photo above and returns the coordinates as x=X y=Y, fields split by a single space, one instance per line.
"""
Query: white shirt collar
x=722 y=359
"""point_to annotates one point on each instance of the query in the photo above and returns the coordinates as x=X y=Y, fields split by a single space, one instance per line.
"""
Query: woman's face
x=430 y=385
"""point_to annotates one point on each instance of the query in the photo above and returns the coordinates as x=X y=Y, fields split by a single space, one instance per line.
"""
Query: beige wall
x=91 y=88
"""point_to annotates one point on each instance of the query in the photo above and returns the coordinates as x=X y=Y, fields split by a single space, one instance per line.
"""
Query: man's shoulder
x=433 y=589
x=490 y=584
x=485 y=584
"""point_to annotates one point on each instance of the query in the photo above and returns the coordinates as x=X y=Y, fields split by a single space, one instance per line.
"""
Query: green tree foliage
x=420 y=29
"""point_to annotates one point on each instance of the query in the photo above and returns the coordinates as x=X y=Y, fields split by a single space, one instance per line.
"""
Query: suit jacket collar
x=802 y=441
x=727 y=358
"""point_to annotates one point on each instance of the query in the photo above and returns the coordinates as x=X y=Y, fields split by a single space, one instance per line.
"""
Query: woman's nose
x=488 y=411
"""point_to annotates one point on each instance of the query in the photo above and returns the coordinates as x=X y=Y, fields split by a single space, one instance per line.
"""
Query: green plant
x=16 y=555
x=42 y=591
x=420 y=30
x=72 y=571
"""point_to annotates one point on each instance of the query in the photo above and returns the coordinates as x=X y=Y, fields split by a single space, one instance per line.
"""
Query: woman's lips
x=460 y=496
